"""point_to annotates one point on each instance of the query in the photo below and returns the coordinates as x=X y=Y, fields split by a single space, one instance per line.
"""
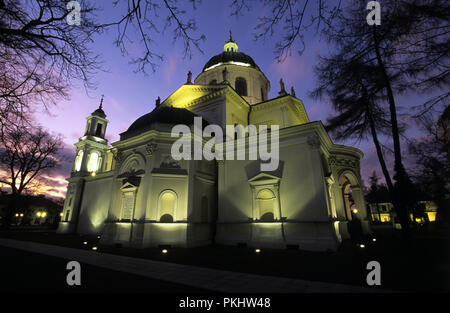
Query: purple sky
x=128 y=95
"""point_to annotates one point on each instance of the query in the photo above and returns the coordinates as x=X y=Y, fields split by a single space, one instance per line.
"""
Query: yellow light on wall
x=44 y=214
x=362 y=246
x=21 y=214
x=355 y=211
x=38 y=214
x=16 y=215
x=93 y=174
x=94 y=248
x=60 y=214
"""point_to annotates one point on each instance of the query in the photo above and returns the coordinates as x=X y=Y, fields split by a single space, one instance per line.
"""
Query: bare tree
x=41 y=54
x=147 y=18
x=289 y=20
x=422 y=44
x=26 y=152
x=431 y=155
x=390 y=54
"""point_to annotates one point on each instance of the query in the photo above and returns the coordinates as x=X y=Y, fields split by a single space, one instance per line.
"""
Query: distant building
x=383 y=212
x=32 y=210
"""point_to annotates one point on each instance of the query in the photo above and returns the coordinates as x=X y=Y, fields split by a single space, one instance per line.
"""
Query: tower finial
x=231 y=38
x=282 y=90
x=101 y=102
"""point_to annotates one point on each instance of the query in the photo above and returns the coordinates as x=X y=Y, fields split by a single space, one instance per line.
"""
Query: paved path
x=199 y=277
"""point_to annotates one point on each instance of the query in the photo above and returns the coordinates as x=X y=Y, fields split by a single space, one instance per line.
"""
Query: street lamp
x=40 y=215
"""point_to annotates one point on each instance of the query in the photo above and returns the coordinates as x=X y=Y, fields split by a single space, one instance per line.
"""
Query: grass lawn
x=420 y=265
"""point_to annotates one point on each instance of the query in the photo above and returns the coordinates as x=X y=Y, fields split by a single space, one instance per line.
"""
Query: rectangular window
x=67 y=215
x=98 y=131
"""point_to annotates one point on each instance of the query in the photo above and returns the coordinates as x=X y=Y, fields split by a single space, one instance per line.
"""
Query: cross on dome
x=101 y=102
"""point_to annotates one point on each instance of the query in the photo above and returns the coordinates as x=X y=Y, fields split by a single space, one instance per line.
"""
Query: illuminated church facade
x=133 y=193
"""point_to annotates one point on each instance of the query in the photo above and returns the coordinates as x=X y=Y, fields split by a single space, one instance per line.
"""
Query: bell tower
x=90 y=156
x=92 y=147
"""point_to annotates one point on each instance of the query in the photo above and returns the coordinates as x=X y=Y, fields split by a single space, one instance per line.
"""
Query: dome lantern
x=230 y=45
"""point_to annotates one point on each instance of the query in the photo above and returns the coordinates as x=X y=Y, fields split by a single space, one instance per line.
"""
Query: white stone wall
x=255 y=80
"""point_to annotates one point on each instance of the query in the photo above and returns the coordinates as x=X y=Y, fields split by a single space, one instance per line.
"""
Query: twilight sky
x=128 y=95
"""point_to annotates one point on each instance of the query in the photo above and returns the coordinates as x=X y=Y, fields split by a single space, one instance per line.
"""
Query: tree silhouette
x=26 y=152
x=388 y=56
x=432 y=163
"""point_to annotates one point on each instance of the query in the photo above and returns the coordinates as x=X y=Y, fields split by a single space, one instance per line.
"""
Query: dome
x=161 y=114
x=99 y=112
x=230 y=56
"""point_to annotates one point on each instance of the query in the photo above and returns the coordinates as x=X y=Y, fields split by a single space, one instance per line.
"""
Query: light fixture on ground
x=164 y=251
x=257 y=250
x=85 y=243
x=94 y=248
x=374 y=239
x=362 y=246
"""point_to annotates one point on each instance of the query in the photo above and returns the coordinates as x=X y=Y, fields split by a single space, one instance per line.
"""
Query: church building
x=134 y=193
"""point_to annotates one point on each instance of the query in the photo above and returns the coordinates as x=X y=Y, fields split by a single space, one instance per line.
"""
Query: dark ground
x=421 y=265
x=23 y=271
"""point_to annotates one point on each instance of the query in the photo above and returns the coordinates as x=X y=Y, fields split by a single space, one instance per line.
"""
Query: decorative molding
x=169 y=162
x=313 y=142
x=343 y=162
x=118 y=156
x=151 y=147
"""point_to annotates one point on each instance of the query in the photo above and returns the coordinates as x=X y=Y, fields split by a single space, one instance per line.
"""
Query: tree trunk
x=6 y=223
x=401 y=191
x=384 y=169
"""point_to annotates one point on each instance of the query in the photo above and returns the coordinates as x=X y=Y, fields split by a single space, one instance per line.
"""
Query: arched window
x=167 y=204
x=78 y=161
x=93 y=162
x=166 y=218
x=241 y=86
x=262 y=94
x=266 y=202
